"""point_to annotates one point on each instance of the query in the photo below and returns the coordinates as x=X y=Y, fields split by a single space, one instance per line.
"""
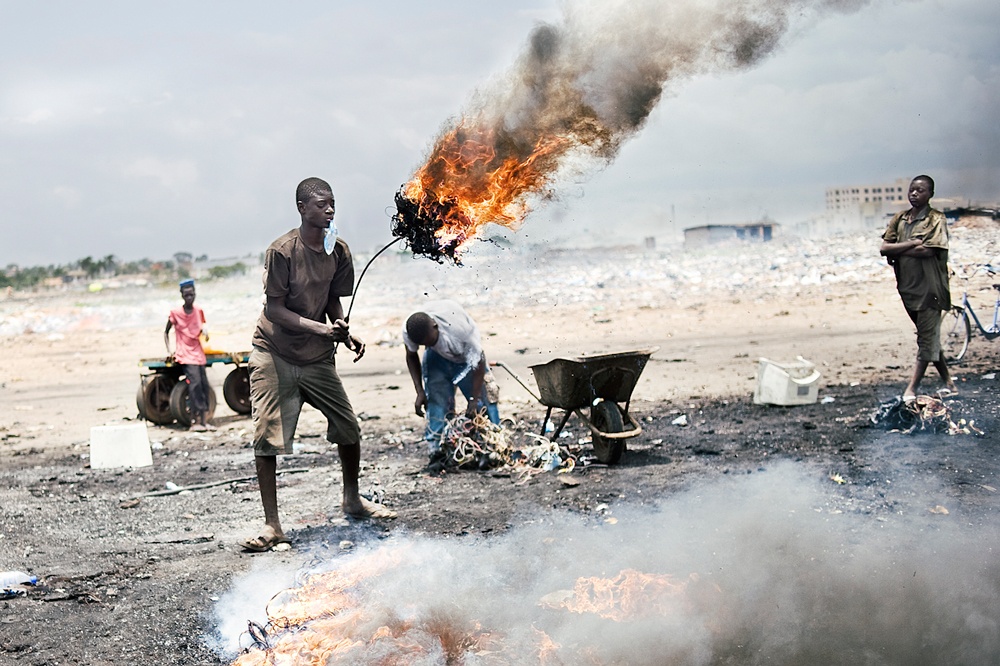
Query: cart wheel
x=606 y=417
x=236 y=390
x=153 y=399
x=180 y=406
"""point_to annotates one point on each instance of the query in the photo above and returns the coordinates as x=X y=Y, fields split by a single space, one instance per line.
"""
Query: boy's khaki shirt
x=922 y=282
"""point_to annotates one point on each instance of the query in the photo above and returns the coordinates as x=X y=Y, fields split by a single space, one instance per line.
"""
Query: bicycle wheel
x=955 y=334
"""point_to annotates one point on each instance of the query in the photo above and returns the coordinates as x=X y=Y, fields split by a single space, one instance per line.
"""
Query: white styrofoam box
x=120 y=446
x=795 y=383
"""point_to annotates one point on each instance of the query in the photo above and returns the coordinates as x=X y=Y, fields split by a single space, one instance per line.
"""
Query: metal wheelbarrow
x=601 y=382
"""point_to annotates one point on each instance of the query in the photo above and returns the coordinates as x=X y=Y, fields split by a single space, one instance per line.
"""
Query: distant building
x=710 y=234
x=864 y=206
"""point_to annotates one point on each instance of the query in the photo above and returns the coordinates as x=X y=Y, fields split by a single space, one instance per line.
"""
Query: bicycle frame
x=956 y=323
x=994 y=329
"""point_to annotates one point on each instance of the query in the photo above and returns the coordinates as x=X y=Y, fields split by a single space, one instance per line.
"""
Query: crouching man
x=453 y=358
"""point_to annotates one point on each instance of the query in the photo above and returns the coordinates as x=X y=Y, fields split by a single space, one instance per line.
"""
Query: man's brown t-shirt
x=308 y=281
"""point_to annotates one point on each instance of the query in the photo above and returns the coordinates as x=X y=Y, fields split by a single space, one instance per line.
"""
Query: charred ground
x=122 y=578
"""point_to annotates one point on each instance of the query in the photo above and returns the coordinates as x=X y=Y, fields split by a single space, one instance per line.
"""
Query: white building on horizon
x=865 y=206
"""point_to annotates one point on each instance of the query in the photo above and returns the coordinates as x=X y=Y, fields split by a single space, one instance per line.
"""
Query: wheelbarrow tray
x=572 y=383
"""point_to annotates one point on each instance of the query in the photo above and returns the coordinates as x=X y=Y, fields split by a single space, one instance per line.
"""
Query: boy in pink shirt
x=188 y=321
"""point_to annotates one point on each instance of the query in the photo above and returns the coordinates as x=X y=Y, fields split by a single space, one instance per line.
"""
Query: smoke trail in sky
x=580 y=89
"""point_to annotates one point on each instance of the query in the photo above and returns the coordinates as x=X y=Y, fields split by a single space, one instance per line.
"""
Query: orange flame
x=477 y=174
x=630 y=594
x=329 y=620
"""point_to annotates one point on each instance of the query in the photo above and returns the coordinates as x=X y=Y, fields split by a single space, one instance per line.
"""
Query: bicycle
x=956 y=328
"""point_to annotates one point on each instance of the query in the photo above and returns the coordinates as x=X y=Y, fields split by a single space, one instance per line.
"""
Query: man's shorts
x=278 y=389
x=928 y=323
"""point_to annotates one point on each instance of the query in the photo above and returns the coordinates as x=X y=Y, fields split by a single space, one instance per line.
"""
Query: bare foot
x=362 y=509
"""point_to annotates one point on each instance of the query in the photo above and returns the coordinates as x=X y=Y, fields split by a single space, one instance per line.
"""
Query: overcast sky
x=141 y=129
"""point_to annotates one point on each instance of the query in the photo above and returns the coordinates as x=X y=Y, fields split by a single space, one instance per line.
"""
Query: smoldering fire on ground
x=579 y=90
x=763 y=567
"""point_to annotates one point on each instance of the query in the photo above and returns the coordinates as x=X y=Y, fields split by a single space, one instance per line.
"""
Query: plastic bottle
x=9 y=579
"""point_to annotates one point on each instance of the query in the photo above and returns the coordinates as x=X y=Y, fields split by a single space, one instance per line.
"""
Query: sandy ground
x=56 y=386
x=122 y=580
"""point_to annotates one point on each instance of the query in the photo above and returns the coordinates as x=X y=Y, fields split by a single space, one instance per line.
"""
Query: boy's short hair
x=419 y=327
x=309 y=187
x=927 y=179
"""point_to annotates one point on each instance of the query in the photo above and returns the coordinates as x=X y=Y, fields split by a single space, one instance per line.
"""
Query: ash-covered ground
x=828 y=540
x=151 y=580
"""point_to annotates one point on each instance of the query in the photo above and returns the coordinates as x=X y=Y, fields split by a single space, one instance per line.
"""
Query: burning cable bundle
x=577 y=92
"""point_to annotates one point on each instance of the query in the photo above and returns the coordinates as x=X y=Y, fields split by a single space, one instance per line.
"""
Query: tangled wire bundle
x=477 y=443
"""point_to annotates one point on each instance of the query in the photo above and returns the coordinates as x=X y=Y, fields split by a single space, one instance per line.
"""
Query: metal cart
x=162 y=397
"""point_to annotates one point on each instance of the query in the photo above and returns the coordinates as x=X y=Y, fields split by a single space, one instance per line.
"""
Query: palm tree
x=89 y=266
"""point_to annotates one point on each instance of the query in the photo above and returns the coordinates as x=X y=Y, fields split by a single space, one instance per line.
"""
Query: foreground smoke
x=579 y=90
x=325 y=620
x=779 y=567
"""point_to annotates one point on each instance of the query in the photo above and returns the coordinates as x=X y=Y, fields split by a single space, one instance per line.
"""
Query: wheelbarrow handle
x=501 y=364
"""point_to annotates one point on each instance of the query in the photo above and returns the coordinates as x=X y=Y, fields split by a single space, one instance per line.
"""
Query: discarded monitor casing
x=795 y=383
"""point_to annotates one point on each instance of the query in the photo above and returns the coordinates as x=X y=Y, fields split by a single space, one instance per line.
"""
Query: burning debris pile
x=629 y=595
x=332 y=618
x=925 y=413
x=578 y=91
x=787 y=569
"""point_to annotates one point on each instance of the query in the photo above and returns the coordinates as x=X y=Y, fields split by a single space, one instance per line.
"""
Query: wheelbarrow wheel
x=236 y=390
x=153 y=399
x=180 y=405
x=606 y=417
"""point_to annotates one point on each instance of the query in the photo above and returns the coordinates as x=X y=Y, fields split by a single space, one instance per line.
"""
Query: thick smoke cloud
x=579 y=90
x=596 y=76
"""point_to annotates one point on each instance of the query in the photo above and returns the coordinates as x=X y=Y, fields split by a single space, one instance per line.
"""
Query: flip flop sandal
x=262 y=544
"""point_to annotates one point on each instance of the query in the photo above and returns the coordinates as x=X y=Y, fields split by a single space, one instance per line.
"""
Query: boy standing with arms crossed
x=915 y=243
x=306 y=272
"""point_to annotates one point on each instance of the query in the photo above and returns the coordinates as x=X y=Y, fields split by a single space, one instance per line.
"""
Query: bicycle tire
x=956 y=332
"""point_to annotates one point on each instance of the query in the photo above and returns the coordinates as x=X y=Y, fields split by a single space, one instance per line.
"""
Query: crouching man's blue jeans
x=439 y=374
